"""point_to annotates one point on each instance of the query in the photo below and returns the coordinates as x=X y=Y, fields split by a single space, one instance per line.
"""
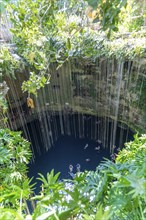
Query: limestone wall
x=106 y=88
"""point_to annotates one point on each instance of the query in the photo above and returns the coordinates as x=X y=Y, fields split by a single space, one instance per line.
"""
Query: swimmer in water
x=86 y=146
x=71 y=171
x=78 y=166
x=71 y=168
x=113 y=157
x=97 y=148
x=88 y=159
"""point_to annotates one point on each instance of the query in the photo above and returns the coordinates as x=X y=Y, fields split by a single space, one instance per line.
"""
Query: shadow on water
x=68 y=150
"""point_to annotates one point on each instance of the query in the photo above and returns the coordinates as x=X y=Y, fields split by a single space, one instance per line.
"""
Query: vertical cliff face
x=112 y=89
x=106 y=88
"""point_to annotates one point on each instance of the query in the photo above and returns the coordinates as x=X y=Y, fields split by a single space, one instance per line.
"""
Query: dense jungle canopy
x=34 y=35
x=46 y=32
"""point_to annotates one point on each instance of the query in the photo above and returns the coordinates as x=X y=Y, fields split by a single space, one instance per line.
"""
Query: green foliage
x=107 y=12
x=116 y=15
x=114 y=191
x=55 y=32
x=3 y=103
x=33 y=29
x=35 y=82
x=15 y=155
x=3 y=5
x=134 y=152
x=15 y=187
x=8 y=63
x=10 y=214
x=132 y=17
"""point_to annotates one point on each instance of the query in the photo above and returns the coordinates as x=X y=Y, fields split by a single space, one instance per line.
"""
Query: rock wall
x=106 y=88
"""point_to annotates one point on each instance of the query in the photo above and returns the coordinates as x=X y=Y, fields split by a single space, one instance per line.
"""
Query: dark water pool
x=70 y=149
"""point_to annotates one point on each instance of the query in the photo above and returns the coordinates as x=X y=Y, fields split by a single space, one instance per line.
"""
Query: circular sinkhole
x=59 y=141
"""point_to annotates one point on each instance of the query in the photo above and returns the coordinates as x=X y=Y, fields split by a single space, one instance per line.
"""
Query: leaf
x=43 y=79
x=42 y=178
x=66 y=214
x=102 y=215
x=68 y=44
x=45 y=215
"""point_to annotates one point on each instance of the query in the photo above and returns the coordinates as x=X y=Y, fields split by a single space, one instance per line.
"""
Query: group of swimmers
x=78 y=169
x=113 y=155
x=96 y=148
x=78 y=166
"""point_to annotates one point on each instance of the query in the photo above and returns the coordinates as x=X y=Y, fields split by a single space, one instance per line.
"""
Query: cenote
x=73 y=103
